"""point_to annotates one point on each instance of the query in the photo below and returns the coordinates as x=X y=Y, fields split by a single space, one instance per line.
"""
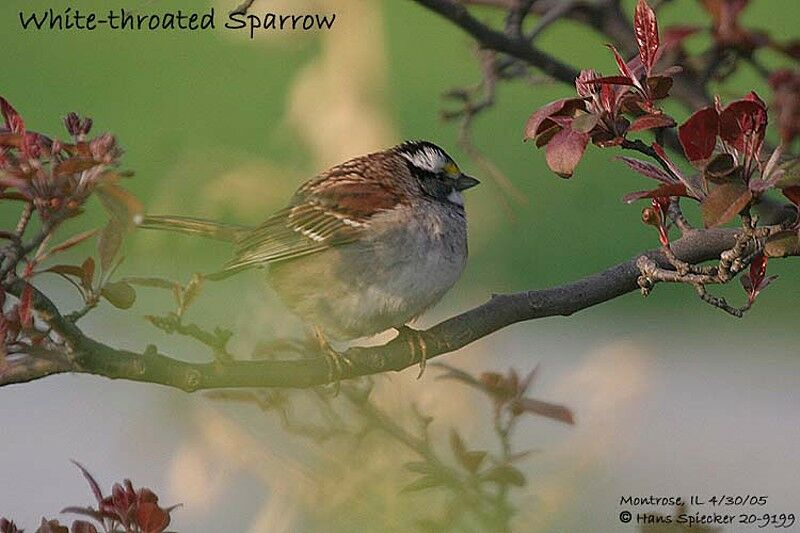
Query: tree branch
x=500 y=42
x=91 y=357
x=605 y=16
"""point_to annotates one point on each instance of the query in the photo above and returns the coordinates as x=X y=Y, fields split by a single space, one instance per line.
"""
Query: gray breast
x=408 y=261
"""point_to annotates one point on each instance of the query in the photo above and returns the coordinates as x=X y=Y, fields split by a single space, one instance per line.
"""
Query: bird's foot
x=339 y=365
x=417 y=346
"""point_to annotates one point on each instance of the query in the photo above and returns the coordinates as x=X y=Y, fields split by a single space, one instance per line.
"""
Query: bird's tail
x=194 y=226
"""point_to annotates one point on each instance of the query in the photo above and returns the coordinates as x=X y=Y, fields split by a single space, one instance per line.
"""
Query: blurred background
x=670 y=395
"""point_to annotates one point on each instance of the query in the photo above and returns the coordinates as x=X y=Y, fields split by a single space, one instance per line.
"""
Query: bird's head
x=436 y=172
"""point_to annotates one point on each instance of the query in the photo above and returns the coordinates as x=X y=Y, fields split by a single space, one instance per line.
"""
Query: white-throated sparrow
x=365 y=246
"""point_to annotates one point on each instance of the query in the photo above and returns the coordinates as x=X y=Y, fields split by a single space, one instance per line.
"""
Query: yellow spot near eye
x=452 y=169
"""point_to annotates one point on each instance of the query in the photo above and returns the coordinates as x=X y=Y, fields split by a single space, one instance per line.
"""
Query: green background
x=188 y=107
x=165 y=95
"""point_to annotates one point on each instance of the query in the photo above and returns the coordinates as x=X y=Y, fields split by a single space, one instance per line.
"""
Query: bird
x=363 y=247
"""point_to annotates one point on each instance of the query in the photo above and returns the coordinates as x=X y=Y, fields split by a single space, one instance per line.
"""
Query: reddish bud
x=756 y=279
x=650 y=217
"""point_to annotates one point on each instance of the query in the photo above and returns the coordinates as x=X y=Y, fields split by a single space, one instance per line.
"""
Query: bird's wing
x=326 y=212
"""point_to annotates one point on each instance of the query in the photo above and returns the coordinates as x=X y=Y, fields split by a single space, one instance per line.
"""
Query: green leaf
x=119 y=294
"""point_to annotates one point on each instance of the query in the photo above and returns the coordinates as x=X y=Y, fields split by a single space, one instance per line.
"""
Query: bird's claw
x=339 y=365
x=417 y=345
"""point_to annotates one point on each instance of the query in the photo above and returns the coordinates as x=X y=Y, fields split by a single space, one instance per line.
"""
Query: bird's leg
x=416 y=343
x=337 y=362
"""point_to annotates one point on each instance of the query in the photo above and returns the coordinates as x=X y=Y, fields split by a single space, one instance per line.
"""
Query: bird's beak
x=464 y=182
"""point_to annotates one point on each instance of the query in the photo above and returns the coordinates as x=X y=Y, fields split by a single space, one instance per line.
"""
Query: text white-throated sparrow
x=365 y=246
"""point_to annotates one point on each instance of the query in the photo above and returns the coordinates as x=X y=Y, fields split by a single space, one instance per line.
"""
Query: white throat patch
x=455 y=197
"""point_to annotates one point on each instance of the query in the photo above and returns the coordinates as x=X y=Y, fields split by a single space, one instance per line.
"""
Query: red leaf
x=696 y=186
x=743 y=124
x=13 y=121
x=8 y=526
x=698 y=135
x=649 y=122
x=623 y=67
x=645 y=27
x=752 y=96
x=151 y=518
x=585 y=84
x=755 y=281
x=82 y=526
x=98 y=494
x=146 y=495
x=51 y=526
x=647 y=169
x=614 y=80
x=74 y=165
x=538 y=121
x=122 y=499
x=664 y=191
x=565 y=150
x=84 y=511
x=545 y=409
x=793 y=194
x=10 y=140
x=758 y=269
x=659 y=86
x=724 y=203
x=585 y=122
